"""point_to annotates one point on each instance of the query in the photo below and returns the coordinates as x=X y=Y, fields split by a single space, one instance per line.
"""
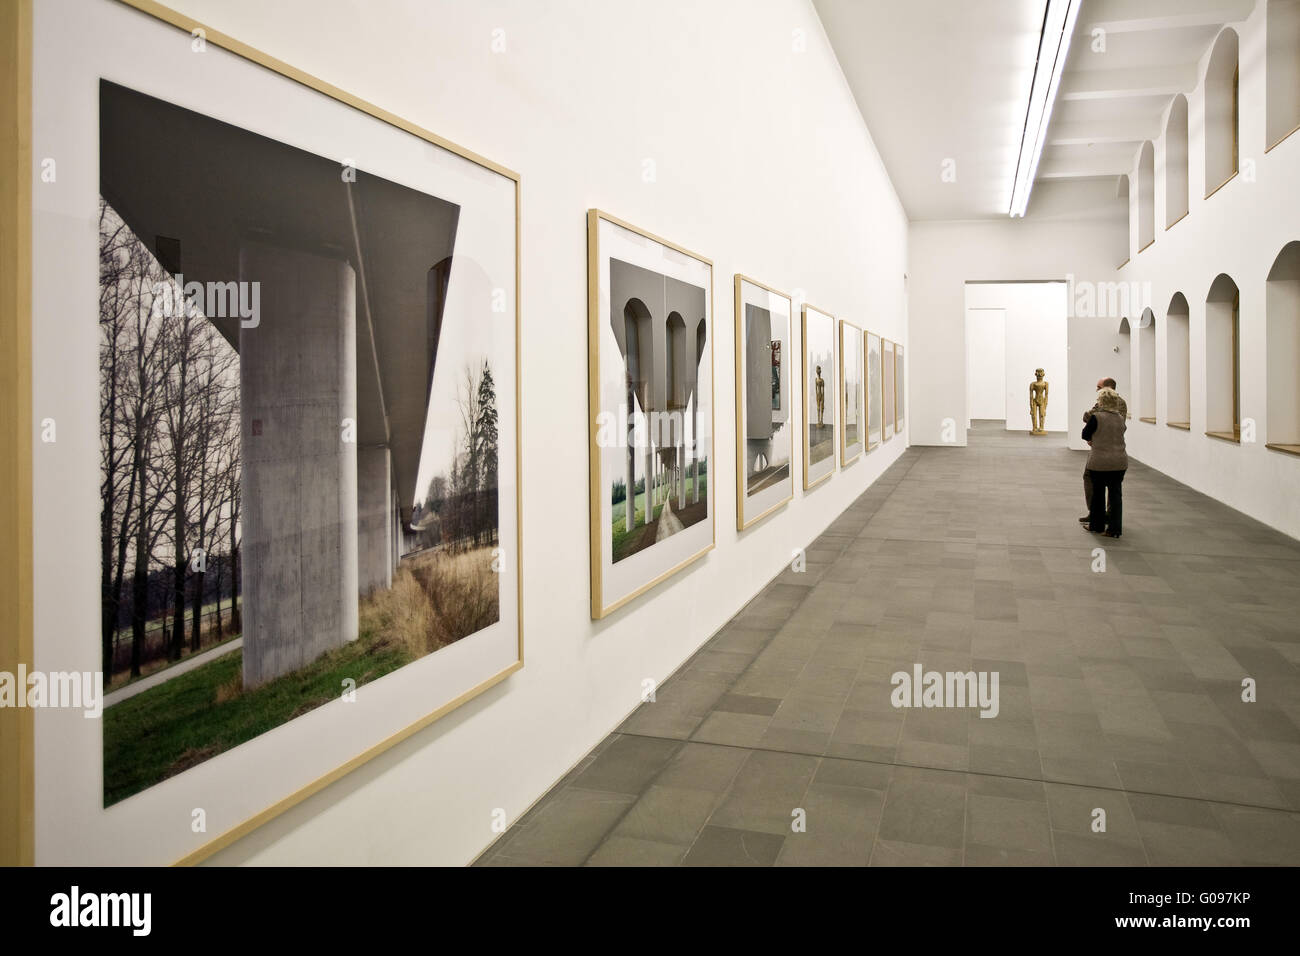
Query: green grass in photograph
x=436 y=599
x=199 y=714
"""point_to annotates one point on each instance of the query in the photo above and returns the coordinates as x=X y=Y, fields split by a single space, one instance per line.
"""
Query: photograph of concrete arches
x=819 y=391
x=875 y=391
x=887 y=384
x=764 y=412
x=852 y=393
x=300 y=434
x=651 y=370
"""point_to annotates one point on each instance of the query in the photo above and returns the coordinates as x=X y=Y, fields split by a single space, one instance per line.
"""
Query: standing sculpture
x=1038 y=403
x=821 y=394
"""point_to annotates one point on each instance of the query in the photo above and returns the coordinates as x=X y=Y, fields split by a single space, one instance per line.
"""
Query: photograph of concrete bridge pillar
x=299 y=462
x=767 y=402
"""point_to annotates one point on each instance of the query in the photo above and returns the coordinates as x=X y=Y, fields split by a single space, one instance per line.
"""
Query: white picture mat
x=618 y=580
x=70 y=56
x=819 y=347
x=779 y=307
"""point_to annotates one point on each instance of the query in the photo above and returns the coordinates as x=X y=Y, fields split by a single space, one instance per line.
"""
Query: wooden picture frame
x=650 y=368
x=148 y=69
x=875 y=387
x=852 y=394
x=764 y=341
x=887 y=384
x=819 y=334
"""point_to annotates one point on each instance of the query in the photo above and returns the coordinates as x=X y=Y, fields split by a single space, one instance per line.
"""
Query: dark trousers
x=1087 y=490
x=1106 y=507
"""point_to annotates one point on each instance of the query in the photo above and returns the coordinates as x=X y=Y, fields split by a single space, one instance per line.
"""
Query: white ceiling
x=950 y=79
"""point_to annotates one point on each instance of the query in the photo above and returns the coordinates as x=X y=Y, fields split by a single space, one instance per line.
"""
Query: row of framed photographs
x=651 y=334
x=282 y=518
x=868 y=409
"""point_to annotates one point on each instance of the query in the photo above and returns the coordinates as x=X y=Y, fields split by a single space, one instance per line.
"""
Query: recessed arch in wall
x=1221 y=112
x=1282 y=69
x=1147 y=367
x=1176 y=161
x=1146 y=196
x=1123 y=373
x=1282 y=318
x=1178 y=363
x=1223 y=359
x=1122 y=192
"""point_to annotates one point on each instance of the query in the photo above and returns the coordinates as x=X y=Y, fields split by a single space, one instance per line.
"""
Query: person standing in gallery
x=1107 y=462
x=1087 y=482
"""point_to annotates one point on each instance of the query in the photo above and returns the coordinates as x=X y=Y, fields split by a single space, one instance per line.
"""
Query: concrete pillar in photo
x=297 y=378
x=399 y=541
x=374 y=518
x=649 y=478
x=681 y=476
x=629 y=501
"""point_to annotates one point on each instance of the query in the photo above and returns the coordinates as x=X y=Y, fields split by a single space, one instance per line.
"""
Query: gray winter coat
x=1108 y=452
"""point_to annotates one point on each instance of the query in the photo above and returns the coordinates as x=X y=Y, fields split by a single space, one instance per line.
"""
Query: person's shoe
x=1112 y=534
x=1084 y=520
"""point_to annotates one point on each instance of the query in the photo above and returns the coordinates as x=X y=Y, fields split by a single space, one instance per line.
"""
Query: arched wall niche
x=1146 y=196
x=1282 y=318
x=1221 y=112
x=1176 y=161
x=1147 y=367
x=1178 y=363
x=1282 y=70
x=1223 y=359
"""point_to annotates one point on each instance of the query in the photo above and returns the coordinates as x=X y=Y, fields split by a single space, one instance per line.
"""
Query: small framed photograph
x=852 y=394
x=765 y=421
x=819 y=391
x=875 y=392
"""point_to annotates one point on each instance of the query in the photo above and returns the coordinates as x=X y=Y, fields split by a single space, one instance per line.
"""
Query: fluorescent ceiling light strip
x=1053 y=48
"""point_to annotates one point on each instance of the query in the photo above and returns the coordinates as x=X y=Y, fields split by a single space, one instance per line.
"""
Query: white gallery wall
x=1238 y=231
x=944 y=255
x=1034 y=335
x=725 y=127
x=986 y=363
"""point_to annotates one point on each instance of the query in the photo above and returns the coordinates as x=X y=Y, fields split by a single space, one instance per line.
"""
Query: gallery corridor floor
x=1120 y=690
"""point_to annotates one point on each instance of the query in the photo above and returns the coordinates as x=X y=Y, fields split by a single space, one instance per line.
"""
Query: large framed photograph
x=819 y=391
x=898 y=388
x=279 y=330
x=875 y=392
x=650 y=311
x=887 y=363
x=852 y=393
x=764 y=402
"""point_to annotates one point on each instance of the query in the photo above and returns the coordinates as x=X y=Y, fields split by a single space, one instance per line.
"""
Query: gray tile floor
x=1120 y=691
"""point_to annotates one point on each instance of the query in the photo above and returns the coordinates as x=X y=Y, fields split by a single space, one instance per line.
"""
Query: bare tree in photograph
x=216 y=402
x=231 y=480
x=178 y=421
x=118 y=476
x=130 y=350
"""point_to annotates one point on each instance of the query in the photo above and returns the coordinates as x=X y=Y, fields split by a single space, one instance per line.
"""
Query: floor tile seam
x=1061 y=547
x=979 y=773
x=636 y=797
x=730 y=685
